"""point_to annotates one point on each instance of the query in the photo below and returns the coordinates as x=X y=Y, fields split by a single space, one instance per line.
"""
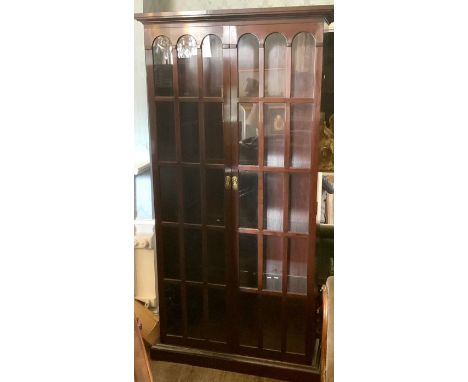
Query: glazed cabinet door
x=275 y=104
x=234 y=114
x=188 y=82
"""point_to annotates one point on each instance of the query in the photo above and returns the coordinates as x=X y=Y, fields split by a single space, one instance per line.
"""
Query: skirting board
x=236 y=363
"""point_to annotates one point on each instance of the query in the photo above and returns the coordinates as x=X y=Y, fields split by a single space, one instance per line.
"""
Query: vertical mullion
x=287 y=148
x=260 y=196
x=229 y=235
x=260 y=320
x=288 y=71
x=286 y=198
x=261 y=155
x=201 y=132
x=159 y=256
x=261 y=70
x=261 y=151
x=200 y=71
x=315 y=136
x=181 y=194
x=232 y=170
x=287 y=136
x=284 y=278
x=175 y=72
x=284 y=322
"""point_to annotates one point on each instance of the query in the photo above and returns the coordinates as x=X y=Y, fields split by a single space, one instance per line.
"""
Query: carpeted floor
x=177 y=372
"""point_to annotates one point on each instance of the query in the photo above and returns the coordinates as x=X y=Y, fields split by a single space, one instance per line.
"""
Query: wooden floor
x=178 y=372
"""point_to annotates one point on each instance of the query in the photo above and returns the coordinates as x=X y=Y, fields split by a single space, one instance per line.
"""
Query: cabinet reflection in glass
x=162 y=66
x=302 y=119
x=187 y=65
x=275 y=65
x=273 y=201
x=248 y=131
x=303 y=65
x=248 y=199
x=275 y=117
x=247 y=52
x=212 y=53
x=248 y=252
x=273 y=263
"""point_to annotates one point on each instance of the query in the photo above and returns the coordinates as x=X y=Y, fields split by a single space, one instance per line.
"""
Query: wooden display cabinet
x=234 y=111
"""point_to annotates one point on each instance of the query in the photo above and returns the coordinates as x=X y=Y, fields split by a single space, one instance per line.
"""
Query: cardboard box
x=149 y=322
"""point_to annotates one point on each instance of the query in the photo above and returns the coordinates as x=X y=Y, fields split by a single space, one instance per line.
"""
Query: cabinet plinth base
x=236 y=363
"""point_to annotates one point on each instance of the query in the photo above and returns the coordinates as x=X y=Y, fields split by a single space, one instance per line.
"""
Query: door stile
x=228 y=213
x=180 y=199
x=286 y=199
x=201 y=137
x=153 y=128
x=312 y=292
x=233 y=196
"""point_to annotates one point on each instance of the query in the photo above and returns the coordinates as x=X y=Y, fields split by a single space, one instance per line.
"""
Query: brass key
x=227 y=182
x=235 y=183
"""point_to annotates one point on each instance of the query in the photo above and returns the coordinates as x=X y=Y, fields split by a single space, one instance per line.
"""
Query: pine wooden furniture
x=327 y=372
x=234 y=110
x=141 y=367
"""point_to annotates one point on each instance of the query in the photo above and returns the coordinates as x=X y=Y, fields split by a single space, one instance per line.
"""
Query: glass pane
x=173 y=309
x=297 y=267
x=170 y=239
x=165 y=131
x=162 y=66
x=248 y=131
x=273 y=262
x=212 y=53
x=273 y=201
x=214 y=196
x=271 y=313
x=303 y=65
x=247 y=53
x=248 y=255
x=194 y=312
x=299 y=192
x=301 y=131
x=275 y=65
x=168 y=187
x=189 y=132
x=187 y=66
x=296 y=333
x=216 y=257
x=192 y=198
x=248 y=199
x=193 y=255
x=214 y=136
x=248 y=319
x=274 y=117
x=216 y=314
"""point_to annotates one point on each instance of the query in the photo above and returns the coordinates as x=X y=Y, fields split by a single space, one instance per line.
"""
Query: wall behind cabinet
x=140 y=105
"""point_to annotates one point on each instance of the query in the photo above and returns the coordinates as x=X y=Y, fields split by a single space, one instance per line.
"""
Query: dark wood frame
x=229 y=25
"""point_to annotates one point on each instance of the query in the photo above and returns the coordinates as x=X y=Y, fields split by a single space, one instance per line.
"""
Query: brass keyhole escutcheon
x=235 y=183
x=227 y=182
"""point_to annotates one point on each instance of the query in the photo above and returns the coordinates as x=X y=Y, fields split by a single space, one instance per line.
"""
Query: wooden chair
x=327 y=353
x=142 y=369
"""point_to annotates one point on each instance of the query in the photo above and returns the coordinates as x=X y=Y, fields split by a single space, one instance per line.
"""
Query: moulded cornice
x=325 y=11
